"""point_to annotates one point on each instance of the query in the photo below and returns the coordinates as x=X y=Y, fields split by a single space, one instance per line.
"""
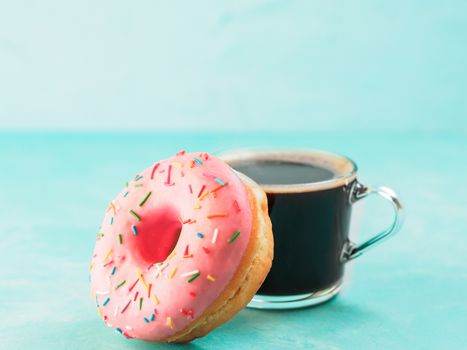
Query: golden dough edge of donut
x=254 y=267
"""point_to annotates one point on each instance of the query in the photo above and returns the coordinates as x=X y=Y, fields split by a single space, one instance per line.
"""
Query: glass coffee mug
x=310 y=197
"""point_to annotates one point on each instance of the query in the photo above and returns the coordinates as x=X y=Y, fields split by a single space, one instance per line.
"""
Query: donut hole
x=158 y=235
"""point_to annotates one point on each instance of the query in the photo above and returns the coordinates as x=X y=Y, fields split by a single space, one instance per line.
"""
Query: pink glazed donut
x=182 y=249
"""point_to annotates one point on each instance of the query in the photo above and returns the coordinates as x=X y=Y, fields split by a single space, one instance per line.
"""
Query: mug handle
x=358 y=192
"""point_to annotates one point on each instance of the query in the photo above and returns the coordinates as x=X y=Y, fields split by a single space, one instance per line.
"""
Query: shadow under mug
x=310 y=222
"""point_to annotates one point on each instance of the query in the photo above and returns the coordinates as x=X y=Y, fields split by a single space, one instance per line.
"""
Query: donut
x=181 y=249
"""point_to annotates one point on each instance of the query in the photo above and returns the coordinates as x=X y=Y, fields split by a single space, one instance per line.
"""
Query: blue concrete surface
x=410 y=293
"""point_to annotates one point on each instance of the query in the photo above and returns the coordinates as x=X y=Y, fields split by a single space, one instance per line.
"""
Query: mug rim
x=344 y=168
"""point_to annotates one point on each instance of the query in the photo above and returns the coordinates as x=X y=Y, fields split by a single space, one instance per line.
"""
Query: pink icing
x=193 y=195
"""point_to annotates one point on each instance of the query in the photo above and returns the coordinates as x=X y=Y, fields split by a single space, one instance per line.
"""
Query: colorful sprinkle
x=133 y=228
x=146 y=320
x=214 y=236
x=136 y=296
x=113 y=270
x=192 y=278
x=234 y=237
x=203 y=195
x=201 y=190
x=154 y=170
x=149 y=290
x=139 y=185
x=120 y=239
x=102 y=292
x=193 y=294
x=140 y=302
x=144 y=199
x=139 y=177
x=210 y=278
x=111 y=220
x=236 y=206
x=126 y=194
x=198 y=161
x=119 y=330
x=180 y=153
x=141 y=278
x=106 y=302
x=171 y=255
x=216 y=215
x=169 y=172
x=109 y=263
x=135 y=215
x=218 y=188
x=108 y=254
x=126 y=307
x=183 y=312
x=194 y=272
x=200 y=235
x=156 y=299
x=133 y=285
x=160 y=267
x=190 y=188
x=219 y=181
x=206 y=250
x=120 y=284
x=172 y=273
x=153 y=316
x=187 y=221
x=112 y=206
x=170 y=322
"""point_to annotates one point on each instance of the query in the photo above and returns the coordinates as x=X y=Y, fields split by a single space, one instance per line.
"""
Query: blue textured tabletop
x=410 y=292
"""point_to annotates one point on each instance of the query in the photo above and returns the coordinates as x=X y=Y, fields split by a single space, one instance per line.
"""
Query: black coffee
x=310 y=228
x=282 y=173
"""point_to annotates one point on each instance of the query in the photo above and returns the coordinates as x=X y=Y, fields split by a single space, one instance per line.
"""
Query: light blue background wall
x=317 y=65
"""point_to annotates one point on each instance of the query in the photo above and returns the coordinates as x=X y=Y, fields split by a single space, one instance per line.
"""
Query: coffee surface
x=272 y=172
